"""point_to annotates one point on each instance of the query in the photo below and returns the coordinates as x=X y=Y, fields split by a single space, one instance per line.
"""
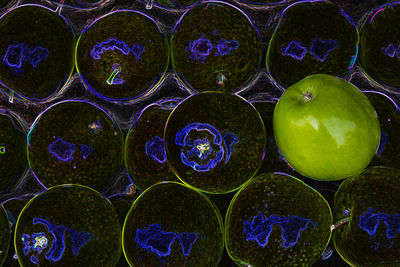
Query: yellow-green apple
x=326 y=128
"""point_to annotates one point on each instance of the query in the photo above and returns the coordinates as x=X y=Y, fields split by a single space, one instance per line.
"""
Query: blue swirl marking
x=369 y=222
x=78 y=239
x=57 y=246
x=137 y=50
x=224 y=47
x=160 y=242
x=110 y=44
x=34 y=259
x=294 y=49
x=260 y=229
x=155 y=149
x=320 y=49
x=36 y=55
x=16 y=55
x=199 y=48
x=384 y=138
x=86 y=151
x=390 y=50
x=180 y=140
x=201 y=149
x=156 y=240
x=230 y=139
x=40 y=242
x=62 y=150
x=186 y=240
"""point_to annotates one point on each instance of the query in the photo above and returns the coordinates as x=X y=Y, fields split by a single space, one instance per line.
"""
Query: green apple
x=326 y=128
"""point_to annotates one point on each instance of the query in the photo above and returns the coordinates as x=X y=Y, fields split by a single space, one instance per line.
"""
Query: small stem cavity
x=307 y=97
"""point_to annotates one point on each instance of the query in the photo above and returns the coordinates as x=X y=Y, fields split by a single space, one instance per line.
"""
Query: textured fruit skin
x=329 y=134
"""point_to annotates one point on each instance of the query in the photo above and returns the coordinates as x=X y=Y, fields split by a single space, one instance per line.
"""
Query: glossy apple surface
x=326 y=128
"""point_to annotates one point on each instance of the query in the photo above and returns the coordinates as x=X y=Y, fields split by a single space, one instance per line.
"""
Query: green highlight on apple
x=326 y=128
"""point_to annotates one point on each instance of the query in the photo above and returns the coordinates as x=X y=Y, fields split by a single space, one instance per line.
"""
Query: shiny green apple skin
x=328 y=134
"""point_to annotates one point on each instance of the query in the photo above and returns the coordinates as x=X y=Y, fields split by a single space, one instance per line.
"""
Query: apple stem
x=307 y=96
x=340 y=223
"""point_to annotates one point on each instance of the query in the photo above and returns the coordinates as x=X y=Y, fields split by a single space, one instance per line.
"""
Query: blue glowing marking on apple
x=180 y=139
x=86 y=151
x=230 y=140
x=155 y=240
x=16 y=55
x=369 y=222
x=320 y=49
x=294 y=49
x=95 y=127
x=110 y=44
x=224 y=47
x=36 y=55
x=199 y=49
x=26 y=241
x=260 y=229
x=62 y=150
x=384 y=138
x=78 y=239
x=57 y=246
x=34 y=260
x=155 y=149
x=159 y=242
x=187 y=240
x=137 y=50
x=390 y=50
x=201 y=148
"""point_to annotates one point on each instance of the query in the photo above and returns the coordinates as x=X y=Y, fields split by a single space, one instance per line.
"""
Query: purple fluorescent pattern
x=369 y=222
x=320 y=49
x=34 y=259
x=62 y=150
x=57 y=246
x=390 y=50
x=158 y=241
x=180 y=139
x=137 y=50
x=78 y=239
x=260 y=229
x=36 y=55
x=199 y=48
x=224 y=47
x=230 y=139
x=155 y=149
x=86 y=151
x=110 y=44
x=294 y=49
x=16 y=55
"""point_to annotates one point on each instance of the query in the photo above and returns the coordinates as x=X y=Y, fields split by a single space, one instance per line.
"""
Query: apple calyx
x=307 y=97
